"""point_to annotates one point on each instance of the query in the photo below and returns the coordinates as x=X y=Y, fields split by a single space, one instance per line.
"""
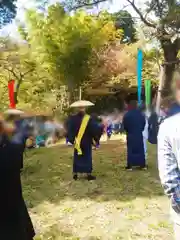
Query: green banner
x=148 y=92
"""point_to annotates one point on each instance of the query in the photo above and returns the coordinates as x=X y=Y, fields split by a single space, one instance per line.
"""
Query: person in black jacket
x=15 y=222
x=153 y=127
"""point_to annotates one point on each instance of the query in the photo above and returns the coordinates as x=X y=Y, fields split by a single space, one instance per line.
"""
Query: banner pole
x=139 y=74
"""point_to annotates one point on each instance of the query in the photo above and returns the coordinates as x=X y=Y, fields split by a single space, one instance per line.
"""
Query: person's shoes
x=75 y=177
x=144 y=168
x=91 y=178
x=128 y=168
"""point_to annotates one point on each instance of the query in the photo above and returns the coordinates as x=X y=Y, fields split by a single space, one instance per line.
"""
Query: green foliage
x=60 y=50
x=163 y=18
x=16 y=63
x=67 y=45
x=167 y=12
x=124 y=21
x=64 y=51
x=165 y=27
x=7 y=11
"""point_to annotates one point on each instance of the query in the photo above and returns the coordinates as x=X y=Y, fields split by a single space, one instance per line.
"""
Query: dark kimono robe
x=134 y=123
x=153 y=127
x=66 y=126
x=109 y=130
x=19 y=139
x=174 y=109
x=83 y=163
x=15 y=222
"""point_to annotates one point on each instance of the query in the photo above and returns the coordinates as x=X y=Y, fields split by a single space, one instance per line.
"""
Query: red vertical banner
x=11 y=86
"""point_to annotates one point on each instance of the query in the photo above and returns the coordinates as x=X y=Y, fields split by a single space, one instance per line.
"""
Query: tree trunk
x=170 y=56
x=72 y=94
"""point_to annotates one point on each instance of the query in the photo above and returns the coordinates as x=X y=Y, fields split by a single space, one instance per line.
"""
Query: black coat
x=15 y=223
x=153 y=128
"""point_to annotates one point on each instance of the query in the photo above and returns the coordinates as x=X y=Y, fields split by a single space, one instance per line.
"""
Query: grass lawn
x=118 y=205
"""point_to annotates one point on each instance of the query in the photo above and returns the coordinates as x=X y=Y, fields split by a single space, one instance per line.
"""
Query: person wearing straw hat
x=169 y=156
x=82 y=131
x=15 y=118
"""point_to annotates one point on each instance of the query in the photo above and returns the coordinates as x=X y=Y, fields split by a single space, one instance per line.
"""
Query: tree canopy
x=165 y=28
x=7 y=11
x=163 y=19
x=67 y=46
x=124 y=21
x=64 y=51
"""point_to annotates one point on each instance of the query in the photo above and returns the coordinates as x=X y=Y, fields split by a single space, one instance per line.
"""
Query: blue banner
x=139 y=74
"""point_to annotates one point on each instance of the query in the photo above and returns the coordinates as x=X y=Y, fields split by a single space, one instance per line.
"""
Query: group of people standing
x=135 y=123
x=83 y=132
x=140 y=127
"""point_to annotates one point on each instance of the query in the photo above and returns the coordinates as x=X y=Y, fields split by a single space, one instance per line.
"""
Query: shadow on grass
x=47 y=176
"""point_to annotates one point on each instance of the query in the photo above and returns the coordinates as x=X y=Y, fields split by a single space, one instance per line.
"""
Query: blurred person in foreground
x=133 y=124
x=22 y=130
x=169 y=158
x=15 y=221
x=82 y=131
x=175 y=105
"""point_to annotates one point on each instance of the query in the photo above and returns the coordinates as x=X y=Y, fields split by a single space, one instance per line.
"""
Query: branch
x=12 y=71
x=143 y=19
x=149 y=10
x=22 y=75
x=31 y=70
x=3 y=83
x=84 y=4
x=159 y=8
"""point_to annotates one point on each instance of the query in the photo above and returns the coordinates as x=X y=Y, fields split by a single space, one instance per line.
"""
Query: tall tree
x=124 y=21
x=163 y=18
x=68 y=44
x=15 y=63
x=8 y=9
x=166 y=28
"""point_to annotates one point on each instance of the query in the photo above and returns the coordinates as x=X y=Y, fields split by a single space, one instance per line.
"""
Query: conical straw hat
x=14 y=112
x=82 y=103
